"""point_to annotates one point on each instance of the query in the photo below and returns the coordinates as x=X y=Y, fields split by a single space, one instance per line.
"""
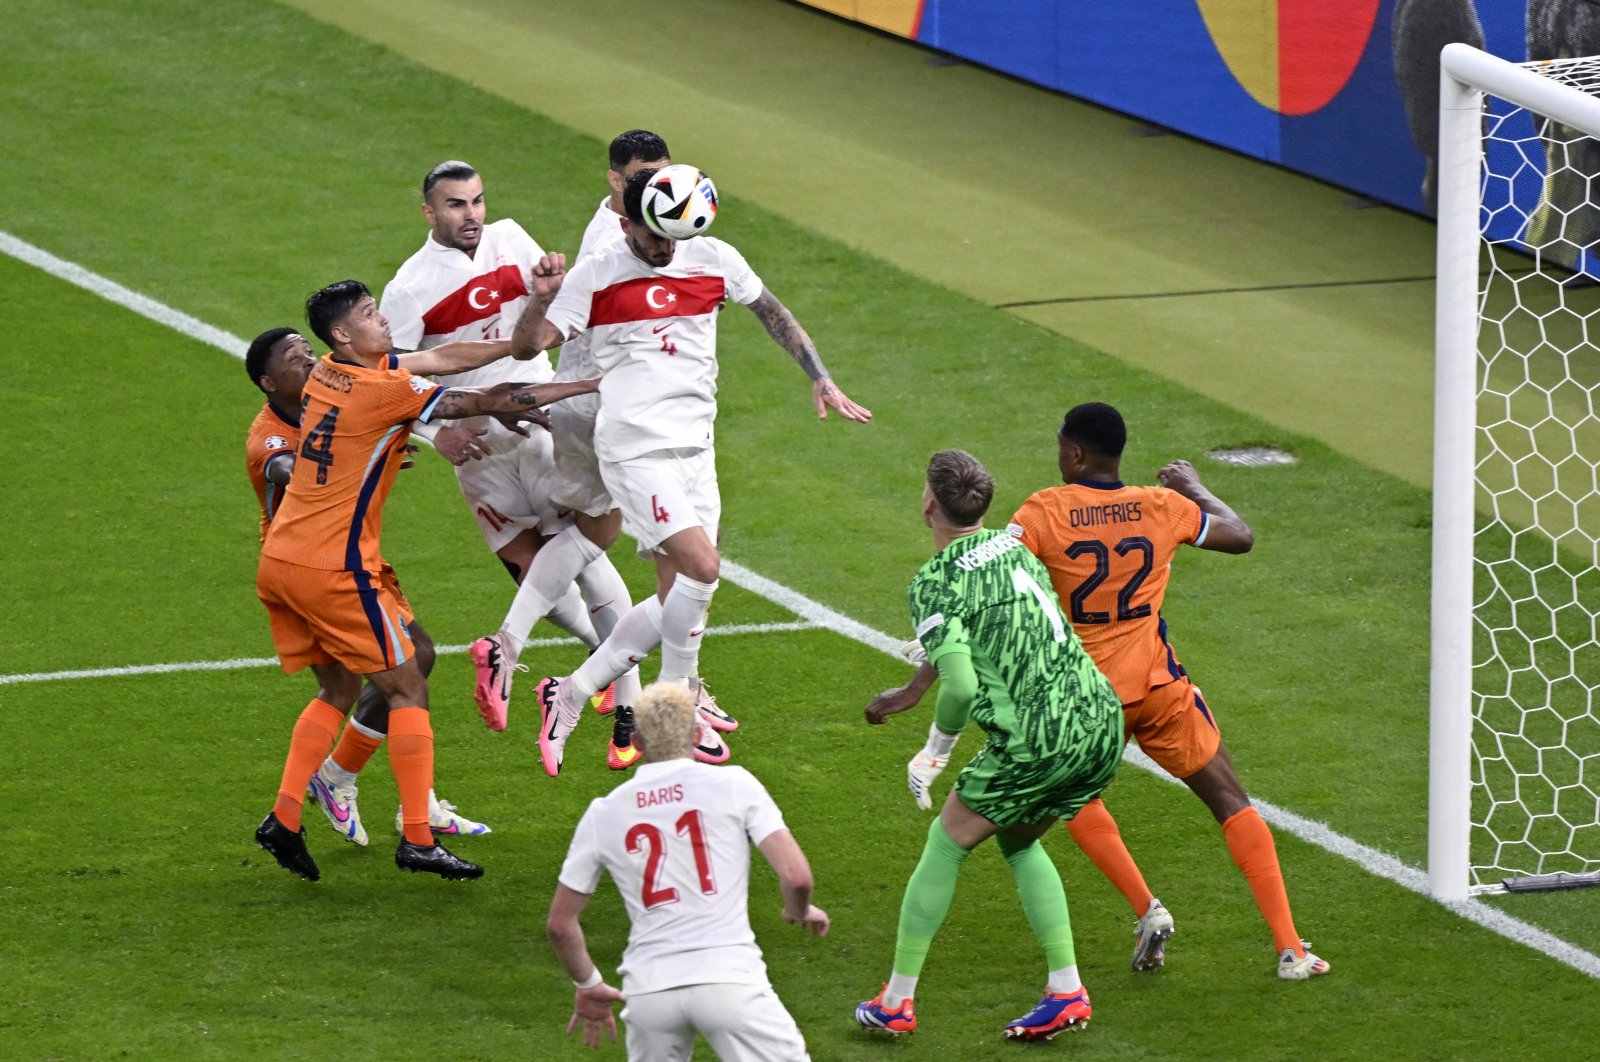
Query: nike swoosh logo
x=635 y=659
x=660 y=328
x=698 y=633
x=598 y=607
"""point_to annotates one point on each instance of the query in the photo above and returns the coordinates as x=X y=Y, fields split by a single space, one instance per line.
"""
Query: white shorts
x=509 y=491
x=742 y=1023
x=576 y=483
x=665 y=492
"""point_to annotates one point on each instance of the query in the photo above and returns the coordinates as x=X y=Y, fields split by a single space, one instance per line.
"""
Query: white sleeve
x=742 y=284
x=761 y=815
x=569 y=311
x=582 y=869
x=405 y=320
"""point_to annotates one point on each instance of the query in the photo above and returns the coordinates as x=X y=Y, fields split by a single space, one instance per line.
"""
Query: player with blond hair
x=675 y=838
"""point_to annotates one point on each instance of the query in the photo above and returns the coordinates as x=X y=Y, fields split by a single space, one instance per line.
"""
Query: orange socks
x=313 y=736
x=411 y=759
x=1096 y=833
x=1250 y=844
x=355 y=748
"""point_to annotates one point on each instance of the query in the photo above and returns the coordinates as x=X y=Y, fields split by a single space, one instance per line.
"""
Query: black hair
x=1096 y=427
x=639 y=144
x=961 y=485
x=260 y=352
x=328 y=306
x=454 y=170
x=633 y=195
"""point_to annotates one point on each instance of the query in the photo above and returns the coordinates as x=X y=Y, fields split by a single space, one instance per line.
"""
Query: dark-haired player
x=1007 y=661
x=470 y=281
x=321 y=575
x=650 y=305
x=278 y=362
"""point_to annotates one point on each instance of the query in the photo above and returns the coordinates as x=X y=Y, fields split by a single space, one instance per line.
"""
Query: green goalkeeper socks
x=927 y=899
x=1043 y=899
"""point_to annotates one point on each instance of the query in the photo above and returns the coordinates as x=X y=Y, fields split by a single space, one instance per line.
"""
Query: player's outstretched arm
x=794 y=880
x=593 y=999
x=448 y=358
x=785 y=331
x=534 y=333
x=1227 y=533
x=521 y=398
x=901 y=698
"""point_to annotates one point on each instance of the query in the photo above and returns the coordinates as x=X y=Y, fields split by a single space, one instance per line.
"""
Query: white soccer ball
x=679 y=202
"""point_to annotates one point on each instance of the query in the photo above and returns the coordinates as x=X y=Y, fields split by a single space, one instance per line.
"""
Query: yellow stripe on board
x=1246 y=34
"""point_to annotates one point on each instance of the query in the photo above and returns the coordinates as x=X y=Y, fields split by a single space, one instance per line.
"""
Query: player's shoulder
x=509 y=234
x=269 y=432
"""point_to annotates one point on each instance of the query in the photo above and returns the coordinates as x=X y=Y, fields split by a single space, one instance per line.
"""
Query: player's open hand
x=548 y=273
x=814 y=919
x=592 y=1008
x=1181 y=477
x=517 y=423
x=920 y=773
x=459 y=445
x=825 y=395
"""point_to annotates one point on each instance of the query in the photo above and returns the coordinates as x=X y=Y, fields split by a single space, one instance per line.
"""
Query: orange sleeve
x=404 y=396
x=1182 y=516
x=1028 y=525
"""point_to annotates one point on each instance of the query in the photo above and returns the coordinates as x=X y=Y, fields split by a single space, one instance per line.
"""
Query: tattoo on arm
x=787 y=333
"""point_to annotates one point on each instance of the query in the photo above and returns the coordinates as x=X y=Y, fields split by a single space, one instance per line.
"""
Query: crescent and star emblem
x=650 y=297
x=472 y=298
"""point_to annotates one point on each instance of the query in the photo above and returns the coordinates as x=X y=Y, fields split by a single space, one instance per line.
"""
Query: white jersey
x=654 y=339
x=441 y=295
x=676 y=839
x=605 y=230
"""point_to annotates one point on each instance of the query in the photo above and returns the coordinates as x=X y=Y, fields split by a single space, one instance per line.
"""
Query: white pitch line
x=1369 y=859
x=244 y=662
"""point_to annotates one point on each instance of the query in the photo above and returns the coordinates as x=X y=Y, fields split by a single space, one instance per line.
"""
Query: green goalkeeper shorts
x=1010 y=793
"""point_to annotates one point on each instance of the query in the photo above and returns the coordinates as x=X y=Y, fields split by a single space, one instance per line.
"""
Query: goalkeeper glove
x=926 y=765
x=914 y=652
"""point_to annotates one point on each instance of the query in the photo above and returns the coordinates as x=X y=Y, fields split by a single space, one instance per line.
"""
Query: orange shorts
x=359 y=619
x=1174 y=727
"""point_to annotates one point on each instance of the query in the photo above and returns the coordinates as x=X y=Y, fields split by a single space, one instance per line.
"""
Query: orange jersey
x=271 y=438
x=1109 y=551
x=354 y=424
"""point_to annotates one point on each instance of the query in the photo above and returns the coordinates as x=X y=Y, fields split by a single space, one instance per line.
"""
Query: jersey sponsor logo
x=930 y=623
x=652 y=298
x=987 y=552
x=477 y=299
x=276 y=442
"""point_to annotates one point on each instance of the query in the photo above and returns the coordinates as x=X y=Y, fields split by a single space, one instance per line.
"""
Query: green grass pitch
x=227 y=158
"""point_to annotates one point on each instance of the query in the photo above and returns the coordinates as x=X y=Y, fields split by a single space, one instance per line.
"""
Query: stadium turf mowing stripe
x=241 y=663
x=1369 y=859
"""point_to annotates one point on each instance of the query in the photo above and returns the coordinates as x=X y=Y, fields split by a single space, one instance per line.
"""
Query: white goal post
x=1514 y=757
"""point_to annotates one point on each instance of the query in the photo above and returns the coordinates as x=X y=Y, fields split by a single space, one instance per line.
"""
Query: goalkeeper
x=1007 y=660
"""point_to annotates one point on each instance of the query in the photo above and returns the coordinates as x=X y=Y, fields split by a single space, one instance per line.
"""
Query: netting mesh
x=1536 y=641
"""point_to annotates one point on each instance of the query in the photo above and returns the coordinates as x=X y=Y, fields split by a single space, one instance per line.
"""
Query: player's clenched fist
x=548 y=272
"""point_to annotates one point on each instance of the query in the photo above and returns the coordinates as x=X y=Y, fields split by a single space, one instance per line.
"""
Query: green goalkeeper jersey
x=1039 y=694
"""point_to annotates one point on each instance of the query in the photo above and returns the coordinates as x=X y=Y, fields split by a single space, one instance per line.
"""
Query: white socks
x=901 y=988
x=1065 y=981
x=635 y=635
x=683 y=622
x=549 y=579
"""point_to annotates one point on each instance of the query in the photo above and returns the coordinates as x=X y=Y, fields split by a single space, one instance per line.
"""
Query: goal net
x=1514 y=788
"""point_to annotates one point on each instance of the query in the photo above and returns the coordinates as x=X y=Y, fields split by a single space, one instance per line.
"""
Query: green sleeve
x=958 y=685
